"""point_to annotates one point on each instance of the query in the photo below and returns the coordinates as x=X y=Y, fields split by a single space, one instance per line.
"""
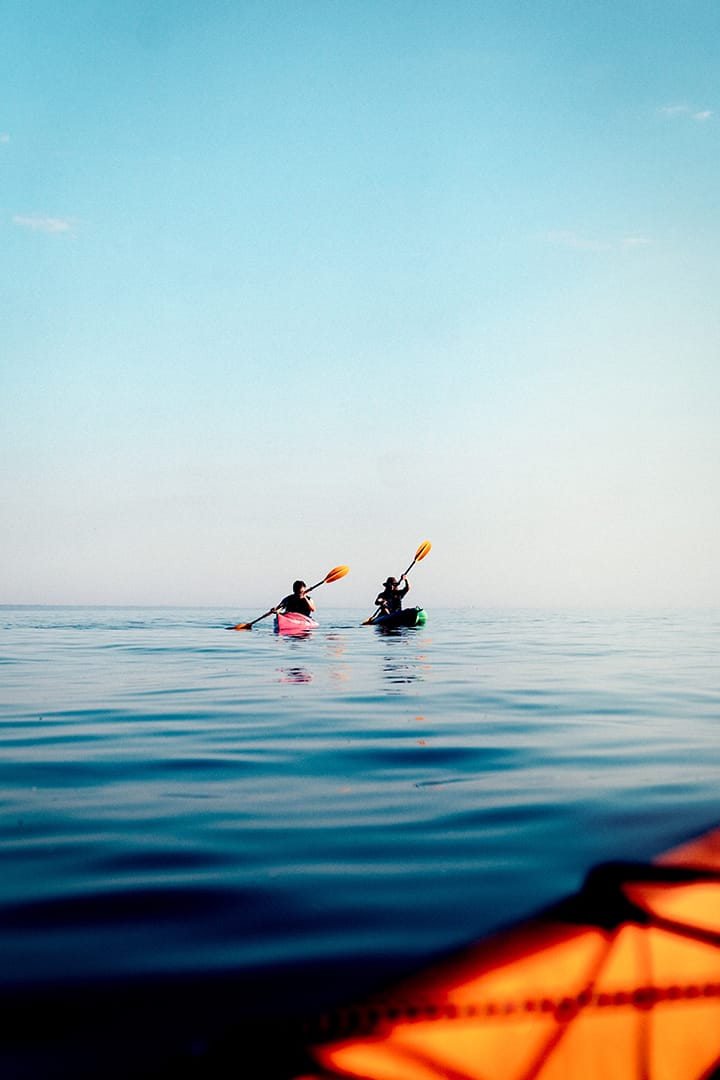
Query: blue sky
x=286 y=285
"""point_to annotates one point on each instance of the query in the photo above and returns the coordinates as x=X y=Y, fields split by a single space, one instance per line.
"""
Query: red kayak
x=291 y=622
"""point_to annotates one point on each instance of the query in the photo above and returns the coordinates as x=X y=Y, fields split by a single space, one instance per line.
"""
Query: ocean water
x=206 y=832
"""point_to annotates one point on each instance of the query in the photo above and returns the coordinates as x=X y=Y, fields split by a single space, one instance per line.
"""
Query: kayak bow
x=620 y=980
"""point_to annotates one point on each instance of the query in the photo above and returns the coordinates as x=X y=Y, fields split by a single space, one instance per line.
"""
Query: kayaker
x=391 y=598
x=296 y=601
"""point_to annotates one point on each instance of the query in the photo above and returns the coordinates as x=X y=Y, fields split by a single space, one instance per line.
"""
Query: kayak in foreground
x=621 y=981
x=292 y=622
x=413 y=616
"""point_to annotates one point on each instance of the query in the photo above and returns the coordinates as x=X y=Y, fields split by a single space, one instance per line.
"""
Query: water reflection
x=396 y=671
x=336 y=648
x=295 y=675
x=402 y=666
x=336 y=643
x=297 y=647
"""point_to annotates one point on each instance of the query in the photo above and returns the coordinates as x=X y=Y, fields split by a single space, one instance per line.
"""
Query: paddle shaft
x=249 y=625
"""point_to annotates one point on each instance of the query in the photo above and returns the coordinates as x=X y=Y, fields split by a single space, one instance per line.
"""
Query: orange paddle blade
x=422 y=550
x=336 y=573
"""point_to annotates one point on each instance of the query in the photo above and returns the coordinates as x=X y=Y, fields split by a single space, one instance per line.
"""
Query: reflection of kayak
x=621 y=980
x=412 y=616
x=293 y=623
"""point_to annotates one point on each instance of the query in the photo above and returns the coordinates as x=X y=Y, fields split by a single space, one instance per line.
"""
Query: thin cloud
x=581 y=242
x=4 y=137
x=674 y=110
x=577 y=241
x=40 y=223
x=700 y=116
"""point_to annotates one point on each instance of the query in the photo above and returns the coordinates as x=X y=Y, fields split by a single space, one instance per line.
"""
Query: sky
x=286 y=285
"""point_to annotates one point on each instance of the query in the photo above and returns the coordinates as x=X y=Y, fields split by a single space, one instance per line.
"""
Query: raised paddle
x=333 y=575
x=419 y=554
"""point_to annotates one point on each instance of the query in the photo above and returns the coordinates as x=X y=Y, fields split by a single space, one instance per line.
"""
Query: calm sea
x=203 y=828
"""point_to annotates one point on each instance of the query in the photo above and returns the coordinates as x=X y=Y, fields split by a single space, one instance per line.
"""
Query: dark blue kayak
x=414 y=616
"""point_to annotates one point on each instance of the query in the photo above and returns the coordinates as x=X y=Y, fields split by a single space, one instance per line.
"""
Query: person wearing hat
x=391 y=598
x=296 y=601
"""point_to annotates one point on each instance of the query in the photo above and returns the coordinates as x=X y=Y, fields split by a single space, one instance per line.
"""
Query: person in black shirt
x=391 y=598
x=296 y=601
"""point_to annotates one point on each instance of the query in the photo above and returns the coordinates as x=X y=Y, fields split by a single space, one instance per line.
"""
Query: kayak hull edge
x=415 y=616
x=292 y=622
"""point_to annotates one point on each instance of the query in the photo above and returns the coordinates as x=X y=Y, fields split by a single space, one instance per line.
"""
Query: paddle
x=335 y=574
x=332 y=575
x=419 y=554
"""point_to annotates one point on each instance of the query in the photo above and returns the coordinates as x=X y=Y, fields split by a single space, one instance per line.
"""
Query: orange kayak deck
x=621 y=980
